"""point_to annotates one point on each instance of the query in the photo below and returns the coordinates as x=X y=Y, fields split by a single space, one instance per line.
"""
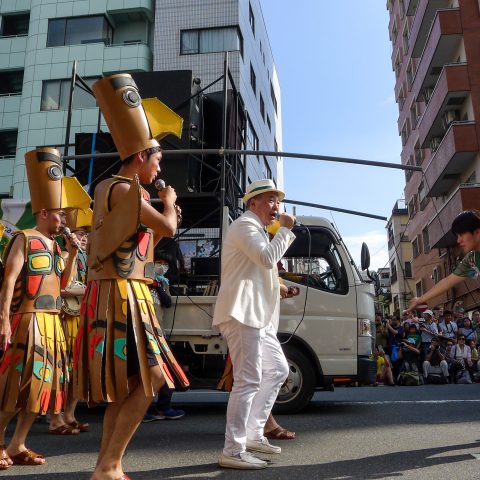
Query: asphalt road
x=430 y=432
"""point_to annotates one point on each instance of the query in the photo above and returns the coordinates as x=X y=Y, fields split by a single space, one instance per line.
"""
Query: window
x=11 y=82
x=401 y=98
x=13 y=25
x=274 y=98
x=267 y=169
x=422 y=196
x=414 y=114
x=415 y=248
x=408 y=269
x=8 y=143
x=211 y=40
x=412 y=206
x=78 y=30
x=393 y=270
x=251 y=17
x=426 y=240
x=419 y=288
x=253 y=79
x=323 y=269
x=269 y=125
x=409 y=173
x=405 y=40
x=262 y=107
x=252 y=138
x=55 y=95
x=437 y=274
x=418 y=154
x=410 y=74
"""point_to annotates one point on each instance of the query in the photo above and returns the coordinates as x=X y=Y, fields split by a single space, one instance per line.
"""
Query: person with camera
x=429 y=330
x=462 y=362
x=435 y=365
x=381 y=332
x=448 y=328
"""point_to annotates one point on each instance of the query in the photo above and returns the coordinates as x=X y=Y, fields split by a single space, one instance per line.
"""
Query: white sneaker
x=246 y=461
x=262 y=446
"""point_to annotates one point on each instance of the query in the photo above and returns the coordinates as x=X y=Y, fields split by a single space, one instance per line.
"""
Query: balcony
x=116 y=7
x=12 y=52
x=424 y=17
x=9 y=111
x=466 y=197
x=136 y=57
x=455 y=153
x=442 y=44
x=449 y=94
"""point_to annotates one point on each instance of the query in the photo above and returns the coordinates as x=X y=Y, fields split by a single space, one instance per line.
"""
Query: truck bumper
x=367 y=370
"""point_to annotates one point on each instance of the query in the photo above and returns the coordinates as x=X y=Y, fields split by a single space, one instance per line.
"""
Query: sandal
x=83 y=427
x=64 y=430
x=27 y=457
x=5 y=457
x=280 y=433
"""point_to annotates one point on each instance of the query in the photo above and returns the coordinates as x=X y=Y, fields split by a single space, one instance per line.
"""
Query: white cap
x=427 y=312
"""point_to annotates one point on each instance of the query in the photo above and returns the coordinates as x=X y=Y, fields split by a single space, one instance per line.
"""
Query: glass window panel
x=189 y=42
x=85 y=30
x=50 y=95
x=56 y=32
x=219 y=40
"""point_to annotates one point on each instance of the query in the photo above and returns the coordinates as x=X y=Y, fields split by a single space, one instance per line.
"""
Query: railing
x=10 y=94
x=14 y=36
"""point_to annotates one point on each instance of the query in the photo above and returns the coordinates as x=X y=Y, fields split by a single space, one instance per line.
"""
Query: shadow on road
x=372 y=467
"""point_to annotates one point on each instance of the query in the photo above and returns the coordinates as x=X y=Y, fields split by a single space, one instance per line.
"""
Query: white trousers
x=259 y=370
x=442 y=368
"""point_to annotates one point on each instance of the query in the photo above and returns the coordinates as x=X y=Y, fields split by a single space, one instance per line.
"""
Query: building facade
x=40 y=39
x=437 y=67
x=402 y=285
x=194 y=35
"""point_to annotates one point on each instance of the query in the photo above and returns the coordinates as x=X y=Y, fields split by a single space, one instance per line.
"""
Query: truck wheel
x=299 y=387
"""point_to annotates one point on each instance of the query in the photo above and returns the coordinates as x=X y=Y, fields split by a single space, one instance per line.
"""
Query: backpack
x=410 y=379
x=436 y=379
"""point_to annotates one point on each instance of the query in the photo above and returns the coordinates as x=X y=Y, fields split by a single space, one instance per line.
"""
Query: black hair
x=162 y=255
x=148 y=151
x=466 y=222
x=447 y=312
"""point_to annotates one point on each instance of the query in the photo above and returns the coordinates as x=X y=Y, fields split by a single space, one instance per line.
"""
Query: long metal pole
x=69 y=115
x=223 y=159
x=335 y=209
x=223 y=152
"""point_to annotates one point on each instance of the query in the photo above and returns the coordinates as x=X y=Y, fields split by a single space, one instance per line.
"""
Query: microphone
x=71 y=238
x=160 y=185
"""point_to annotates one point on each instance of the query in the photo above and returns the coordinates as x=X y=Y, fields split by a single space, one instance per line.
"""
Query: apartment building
x=400 y=258
x=435 y=45
x=40 y=39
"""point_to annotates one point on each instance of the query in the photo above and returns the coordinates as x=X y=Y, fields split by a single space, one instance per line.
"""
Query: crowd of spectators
x=432 y=347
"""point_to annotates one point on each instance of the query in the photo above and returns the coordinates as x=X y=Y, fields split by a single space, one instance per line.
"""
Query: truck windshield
x=314 y=260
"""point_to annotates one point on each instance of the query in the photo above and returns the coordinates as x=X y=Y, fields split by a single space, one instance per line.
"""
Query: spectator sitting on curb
x=381 y=333
x=435 y=366
x=468 y=331
x=475 y=362
x=476 y=324
x=384 y=368
x=448 y=328
x=462 y=356
x=412 y=332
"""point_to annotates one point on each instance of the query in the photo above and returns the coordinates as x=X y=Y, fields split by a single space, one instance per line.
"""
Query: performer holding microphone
x=33 y=368
x=121 y=356
x=246 y=313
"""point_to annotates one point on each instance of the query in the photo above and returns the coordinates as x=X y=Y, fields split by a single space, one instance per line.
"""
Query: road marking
x=393 y=402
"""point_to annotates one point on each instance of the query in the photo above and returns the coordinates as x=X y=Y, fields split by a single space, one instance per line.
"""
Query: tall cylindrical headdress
x=49 y=189
x=134 y=124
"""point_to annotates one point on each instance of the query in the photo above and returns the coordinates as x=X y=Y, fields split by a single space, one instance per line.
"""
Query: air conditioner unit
x=435 y=143
x=448 y=117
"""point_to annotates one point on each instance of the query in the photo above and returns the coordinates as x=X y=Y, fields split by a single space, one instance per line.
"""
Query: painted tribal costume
x=118 y=327
x=33 y=368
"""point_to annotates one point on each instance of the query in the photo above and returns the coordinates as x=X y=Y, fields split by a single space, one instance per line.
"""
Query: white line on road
x=393 y=402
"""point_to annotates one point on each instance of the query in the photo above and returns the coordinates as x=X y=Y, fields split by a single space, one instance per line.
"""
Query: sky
x=333 y=60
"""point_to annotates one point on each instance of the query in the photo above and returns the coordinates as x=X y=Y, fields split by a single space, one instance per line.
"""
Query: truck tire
x=298 y=389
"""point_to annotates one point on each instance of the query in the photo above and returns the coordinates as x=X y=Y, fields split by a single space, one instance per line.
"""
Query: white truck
x=328 y=331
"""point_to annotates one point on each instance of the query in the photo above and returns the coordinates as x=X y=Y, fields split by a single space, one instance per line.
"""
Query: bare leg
x=271 y=424
x=17 y=444
x=120 y=423
x=70 y=406
x=5 y=418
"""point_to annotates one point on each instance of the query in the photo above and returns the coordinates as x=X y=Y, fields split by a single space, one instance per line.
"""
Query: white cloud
x=377 y=244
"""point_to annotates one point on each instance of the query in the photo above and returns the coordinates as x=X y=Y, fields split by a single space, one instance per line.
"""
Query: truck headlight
x=365 y=328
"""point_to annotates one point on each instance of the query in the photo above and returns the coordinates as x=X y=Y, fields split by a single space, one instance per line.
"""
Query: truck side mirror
x=364 y=257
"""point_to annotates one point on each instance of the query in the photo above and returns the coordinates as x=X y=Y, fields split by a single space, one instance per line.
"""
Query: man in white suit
x=246 y=313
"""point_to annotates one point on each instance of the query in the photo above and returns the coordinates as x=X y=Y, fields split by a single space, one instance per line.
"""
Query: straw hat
x=262 y=186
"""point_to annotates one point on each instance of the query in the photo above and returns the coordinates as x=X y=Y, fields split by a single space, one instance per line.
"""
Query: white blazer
x=250 y=290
